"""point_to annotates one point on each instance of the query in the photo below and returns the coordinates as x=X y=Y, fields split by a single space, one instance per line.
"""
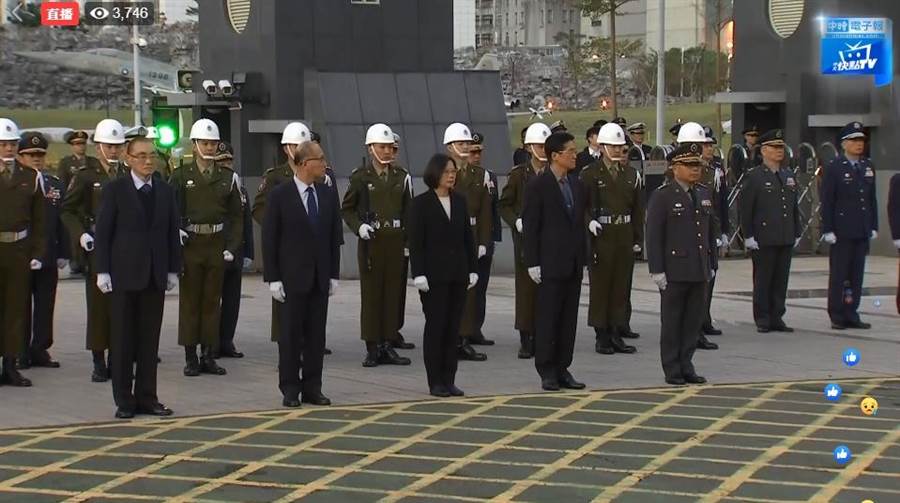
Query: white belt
x=13 y=237
x=205 y=228
x=618 y=219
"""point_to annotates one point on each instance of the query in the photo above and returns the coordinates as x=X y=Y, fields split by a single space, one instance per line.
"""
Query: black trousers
x=484 y=277
x=302 y=339
x=442 y=306
x=771 y=268
x=39 y=320
x=556 y=321
x=707 y=314
x=231 y=306
x=136 y=318
x=846 y=268
x=682 y=316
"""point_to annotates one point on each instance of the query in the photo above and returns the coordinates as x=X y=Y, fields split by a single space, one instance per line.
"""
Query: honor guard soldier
x=374 y=208
x=212 y=230
x=231 y=285
x=80 y=208
x=472 y=182
x=615 y=218
x=512 y=202
x=770 y=221
x=713 y=178
x=39 y=320
x=849 y=213
x=22 y=245
x=65 y=170
x=681 y=252
x=639 y=151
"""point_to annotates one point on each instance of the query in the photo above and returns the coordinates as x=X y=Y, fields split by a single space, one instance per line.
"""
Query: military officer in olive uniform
x=65 y=170
x=681 y=254
x=80 y=208
x=849 y=221
x=22 y=245
x=209 y=199
x=770 y=221
x=472 y=182
x=374 y=208
x=484 y=263
x=39 y=320
x=615 y=216
x=511 y=204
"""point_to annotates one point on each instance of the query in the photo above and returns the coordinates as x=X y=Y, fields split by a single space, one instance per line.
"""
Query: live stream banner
x=858 y=46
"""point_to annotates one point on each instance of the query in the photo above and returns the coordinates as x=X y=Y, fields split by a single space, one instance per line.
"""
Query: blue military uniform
x=849 y=214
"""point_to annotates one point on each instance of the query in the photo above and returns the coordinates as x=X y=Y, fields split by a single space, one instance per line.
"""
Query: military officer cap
x=709 y=134
x=224 y=151
x=686 y=153
x=620 y=121
x=73 y=137
x=558 y=126
x=637 y=128
x=314 y=136
x=599 y=123
x=751 y=129
x=772 y=138
x=477 y=142
x=32 y=142
x=852 y=131
x=676 y=128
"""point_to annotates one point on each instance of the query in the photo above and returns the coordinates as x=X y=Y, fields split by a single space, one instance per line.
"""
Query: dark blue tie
x=567 y=195
x=312 y=207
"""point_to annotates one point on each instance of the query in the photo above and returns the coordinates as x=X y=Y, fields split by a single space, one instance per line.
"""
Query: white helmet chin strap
x=112 y=163
x=531 y=149
x=611 y=158
x=378 y=158
x=201 y=154
x=462 y=155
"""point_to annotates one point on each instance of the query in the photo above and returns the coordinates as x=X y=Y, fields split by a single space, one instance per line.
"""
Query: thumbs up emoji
x=842 y=454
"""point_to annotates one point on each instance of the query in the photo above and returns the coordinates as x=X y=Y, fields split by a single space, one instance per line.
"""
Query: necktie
x=567 y=194
x=693 y=194
x=146 y=188
x=312 y=207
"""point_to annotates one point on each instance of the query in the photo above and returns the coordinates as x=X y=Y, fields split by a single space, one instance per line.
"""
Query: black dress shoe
x=315 y=399
x=675 y=381
x=156 y=409
x=763 y=329
x=628 y=334
x=100 y=373
x=387 y=356
x=550 y=384
x=454 y=391
x=479 y=340
x=703 y=343
x=468 y=353
x=401 y=344
x=619 y=346
x=124 y=413
x=711 y=330
x=782 y=328
x=192 y=369
x=602 y=344
x=208 y=365
x=327 y=351
x=12 y=377
x=835 y=325
x=439 y=391
x=694 y=379
x=569 y=382
x=290 y=402
x=230 y=353
x=371 y=359
x=859 y=324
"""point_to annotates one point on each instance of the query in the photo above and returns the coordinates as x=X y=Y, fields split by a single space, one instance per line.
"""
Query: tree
x=193 y=10
x=576 y=54
x=597 y=9
x=643 y=75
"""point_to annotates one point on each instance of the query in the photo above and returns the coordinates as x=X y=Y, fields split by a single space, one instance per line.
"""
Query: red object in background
x=59 y=14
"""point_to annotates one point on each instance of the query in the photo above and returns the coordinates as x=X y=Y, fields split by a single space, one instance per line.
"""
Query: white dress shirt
x=138 y=183
x=305 y=195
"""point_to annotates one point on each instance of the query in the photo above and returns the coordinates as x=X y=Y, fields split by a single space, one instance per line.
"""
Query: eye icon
x=99 y=13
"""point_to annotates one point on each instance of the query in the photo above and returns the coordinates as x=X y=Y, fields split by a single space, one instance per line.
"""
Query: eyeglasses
x=311 y=159
x=145 y=157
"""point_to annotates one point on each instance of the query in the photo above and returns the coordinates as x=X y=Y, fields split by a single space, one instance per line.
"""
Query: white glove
x=421 y=283
x=182 y=236
x=595 y=227
x=636 y=249
x=897 y=244
x=366 y=231
x=660 y=280
x=751 y=244
x=87 y=242
x=535 y=273
x=482 y=251
x=227 y=256
x=332 y=287
x=473 y=279
x=797 y=242
x=519 y=225
x=874 y=235
x=829 y=238
x=104 y=282
x=406 y=252
x=247 y=262
x=171 y=281
x=61 y=263
x=276 y=288
x=35 y=264
x=724 y=240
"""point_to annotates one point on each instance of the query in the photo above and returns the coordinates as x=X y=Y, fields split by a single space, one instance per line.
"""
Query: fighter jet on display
x=155 y=75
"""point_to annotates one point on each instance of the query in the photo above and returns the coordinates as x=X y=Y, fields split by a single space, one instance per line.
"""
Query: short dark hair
x=138 y=139
x=593 y=130
x=435 y=169
x=524 y=130
x=556 y=143
x=600 y=123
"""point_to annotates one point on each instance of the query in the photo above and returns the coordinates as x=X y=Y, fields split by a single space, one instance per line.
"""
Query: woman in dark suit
x=443 y=261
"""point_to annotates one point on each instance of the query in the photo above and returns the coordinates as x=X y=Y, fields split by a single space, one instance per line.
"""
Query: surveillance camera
x=226 y=87
x=210 y=87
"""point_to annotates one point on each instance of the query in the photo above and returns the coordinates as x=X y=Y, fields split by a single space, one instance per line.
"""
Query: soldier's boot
x=704 y=343
x=101 y=369
x=627 y=333
x=388 y=356
x=192 y=364
x=619 y=345
x=12 y=376
x=23 y=362
x=526 y=348
x=467 y=352
x=372 y=352
x=603 y=344
x=400 y=343
x=208 y=364
x=480 y=340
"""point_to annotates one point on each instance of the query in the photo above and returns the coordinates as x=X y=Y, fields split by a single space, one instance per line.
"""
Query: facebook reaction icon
x=833 y=392
x=842 y=454
x=850 y=357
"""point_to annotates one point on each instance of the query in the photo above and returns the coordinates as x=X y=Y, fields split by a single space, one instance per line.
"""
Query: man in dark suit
x=555 y=250
x=138 y=258
x=592 y=152
x=301 y=239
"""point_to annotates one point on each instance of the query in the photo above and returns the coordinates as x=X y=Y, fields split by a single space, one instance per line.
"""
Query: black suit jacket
x=295 y=251
x=584 y=159
x=132 y=251
x=554 y=239
x=894 y=206
x=440 y=249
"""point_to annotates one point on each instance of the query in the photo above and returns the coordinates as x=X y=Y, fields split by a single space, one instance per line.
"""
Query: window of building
x=565 y=16
x=549 y=16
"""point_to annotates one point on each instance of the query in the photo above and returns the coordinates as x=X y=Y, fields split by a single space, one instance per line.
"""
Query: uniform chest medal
x=190 y=184
x=790 y=181
x=768 y=185
x=706 y=203
x=53 y=195
x=678 y=208
x=371 y=187
x=96 y=185
x=601 y=183
x=869 y=173
x=846 y=175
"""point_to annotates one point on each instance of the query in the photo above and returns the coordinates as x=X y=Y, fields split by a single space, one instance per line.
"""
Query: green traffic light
x=167 y=136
